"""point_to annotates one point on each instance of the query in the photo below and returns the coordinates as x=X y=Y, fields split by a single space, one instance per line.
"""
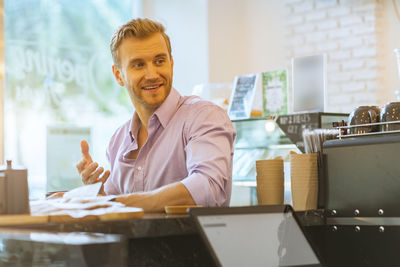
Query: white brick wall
x=339 y=55
x=364 y=30
x=293 y=20
x=315 y=37
x=339 y=77
x=339 y=33
x=304 y=28
x=350 y=42
x=364 y=52
x=303 y=6
x=351 y=19
x=366 y=75
x=323 y=4
x=327 y=25
x=316 y=16
x=349 y=32
x=339 y=11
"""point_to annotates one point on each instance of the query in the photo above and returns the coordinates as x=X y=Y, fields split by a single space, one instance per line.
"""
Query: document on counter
x=90 y=190
x=80 y=202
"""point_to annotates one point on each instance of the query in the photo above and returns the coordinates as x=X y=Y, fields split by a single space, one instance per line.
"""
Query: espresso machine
x=359 y=220
x=14 y=193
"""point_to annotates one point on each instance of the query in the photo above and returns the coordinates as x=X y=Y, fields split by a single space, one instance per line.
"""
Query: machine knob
x=357 y=229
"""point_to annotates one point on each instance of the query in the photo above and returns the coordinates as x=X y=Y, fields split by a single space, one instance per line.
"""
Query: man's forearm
x=156 y=200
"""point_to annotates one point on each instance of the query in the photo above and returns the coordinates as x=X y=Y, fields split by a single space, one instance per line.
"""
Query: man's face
x=145 y=70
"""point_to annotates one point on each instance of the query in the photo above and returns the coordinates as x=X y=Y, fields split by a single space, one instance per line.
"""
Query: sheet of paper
x=61 y=205
x=90 y=190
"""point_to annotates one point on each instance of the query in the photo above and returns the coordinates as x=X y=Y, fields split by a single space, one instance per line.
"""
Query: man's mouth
x=152 y=86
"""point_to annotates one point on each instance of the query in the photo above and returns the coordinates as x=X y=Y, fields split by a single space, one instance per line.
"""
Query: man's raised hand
x=89 y=171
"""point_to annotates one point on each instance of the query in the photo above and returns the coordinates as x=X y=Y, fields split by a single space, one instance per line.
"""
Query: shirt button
x=139 y=168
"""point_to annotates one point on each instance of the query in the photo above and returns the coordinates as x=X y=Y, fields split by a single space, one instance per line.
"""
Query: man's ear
x=117 y=75
x=172 y=65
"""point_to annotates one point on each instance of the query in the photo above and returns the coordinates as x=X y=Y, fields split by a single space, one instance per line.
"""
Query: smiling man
x=175 y=150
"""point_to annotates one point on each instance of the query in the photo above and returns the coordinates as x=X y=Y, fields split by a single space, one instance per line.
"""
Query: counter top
x=151 y=225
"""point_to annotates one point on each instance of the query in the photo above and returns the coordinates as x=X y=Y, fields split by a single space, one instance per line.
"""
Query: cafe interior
x=312 y=88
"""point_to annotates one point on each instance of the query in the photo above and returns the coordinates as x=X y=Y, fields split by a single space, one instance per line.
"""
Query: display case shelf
x=266 y=138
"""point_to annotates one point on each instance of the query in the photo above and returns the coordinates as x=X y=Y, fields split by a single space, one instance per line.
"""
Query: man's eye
x=159 y=61
x=138 y=65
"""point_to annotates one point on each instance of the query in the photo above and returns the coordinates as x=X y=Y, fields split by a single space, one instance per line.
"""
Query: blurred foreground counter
x=42 y=248
x=154 y=240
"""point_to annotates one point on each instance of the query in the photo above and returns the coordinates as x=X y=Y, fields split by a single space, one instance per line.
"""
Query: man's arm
x=209 y=153
x=155 y=201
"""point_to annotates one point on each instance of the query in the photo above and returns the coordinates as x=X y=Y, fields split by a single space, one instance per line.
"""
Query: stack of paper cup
x=304 y=181
x=270 y=181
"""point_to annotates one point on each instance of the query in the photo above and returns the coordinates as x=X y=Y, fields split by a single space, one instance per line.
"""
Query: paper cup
x=304 y=181
x=270 y=181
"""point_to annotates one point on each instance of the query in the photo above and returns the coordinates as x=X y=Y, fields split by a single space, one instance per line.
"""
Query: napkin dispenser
x=362 y=176
x=14 y=193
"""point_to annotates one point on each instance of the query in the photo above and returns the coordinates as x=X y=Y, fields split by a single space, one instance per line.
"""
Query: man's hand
x=88 y=170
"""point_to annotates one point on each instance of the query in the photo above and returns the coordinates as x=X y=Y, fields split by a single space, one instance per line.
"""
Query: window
x=59 y=86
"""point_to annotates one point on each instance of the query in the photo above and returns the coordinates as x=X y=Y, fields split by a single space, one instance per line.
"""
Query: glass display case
x=257 y=139
x=263 y=138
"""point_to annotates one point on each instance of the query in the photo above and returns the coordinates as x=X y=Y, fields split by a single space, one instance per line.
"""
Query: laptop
x=255 y=236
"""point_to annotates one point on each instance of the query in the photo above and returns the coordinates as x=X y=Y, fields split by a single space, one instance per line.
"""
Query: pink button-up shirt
x=189 y=140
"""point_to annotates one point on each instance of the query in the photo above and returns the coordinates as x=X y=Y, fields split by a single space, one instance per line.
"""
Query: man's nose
x=151 y=72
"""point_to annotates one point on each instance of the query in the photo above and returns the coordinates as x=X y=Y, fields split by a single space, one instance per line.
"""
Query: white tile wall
x=350 y=33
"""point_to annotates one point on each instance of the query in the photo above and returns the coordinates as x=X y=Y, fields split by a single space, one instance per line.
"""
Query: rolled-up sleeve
x=209 y=151
x=109 y=187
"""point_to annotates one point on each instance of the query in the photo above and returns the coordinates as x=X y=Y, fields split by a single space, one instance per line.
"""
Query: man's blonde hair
x=139 y=28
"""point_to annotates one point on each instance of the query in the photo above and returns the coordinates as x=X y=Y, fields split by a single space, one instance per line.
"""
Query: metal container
x=14 y=193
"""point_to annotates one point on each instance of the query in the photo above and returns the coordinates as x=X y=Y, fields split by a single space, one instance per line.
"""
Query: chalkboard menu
x=293 y=125
x=242 y=96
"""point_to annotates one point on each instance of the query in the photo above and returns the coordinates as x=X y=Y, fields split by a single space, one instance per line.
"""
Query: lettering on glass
x=51 y=74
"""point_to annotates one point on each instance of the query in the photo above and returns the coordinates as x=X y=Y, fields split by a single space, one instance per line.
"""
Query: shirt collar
x=168 y=108
x=164 y=113
x=134 y=127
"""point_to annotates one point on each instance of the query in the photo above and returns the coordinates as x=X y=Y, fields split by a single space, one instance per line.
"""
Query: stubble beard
x=137 y=96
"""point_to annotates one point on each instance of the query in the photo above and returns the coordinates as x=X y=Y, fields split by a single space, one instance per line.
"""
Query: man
x=175 y=150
